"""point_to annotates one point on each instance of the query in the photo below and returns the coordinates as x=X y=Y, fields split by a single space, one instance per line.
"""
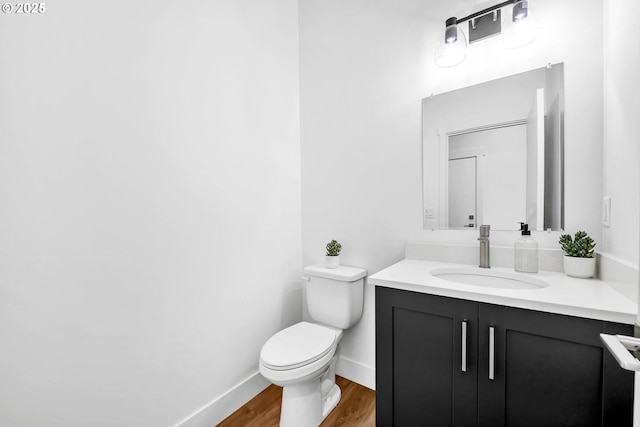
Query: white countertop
x=588 y=298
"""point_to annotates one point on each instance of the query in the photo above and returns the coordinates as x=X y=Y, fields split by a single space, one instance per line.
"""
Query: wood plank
x=357 y=408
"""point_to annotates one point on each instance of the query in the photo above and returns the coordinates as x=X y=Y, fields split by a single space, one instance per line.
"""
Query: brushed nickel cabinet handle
x=492 y=353
x=464 y=346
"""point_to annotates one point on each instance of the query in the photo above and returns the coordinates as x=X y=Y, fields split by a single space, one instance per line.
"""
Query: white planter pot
x=332 y=261
x=582 y=268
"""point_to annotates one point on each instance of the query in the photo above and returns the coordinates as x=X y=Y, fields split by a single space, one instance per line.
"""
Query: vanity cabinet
x=449 y=362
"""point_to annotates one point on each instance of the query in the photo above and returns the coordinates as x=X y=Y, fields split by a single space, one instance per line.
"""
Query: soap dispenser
x=525 y=252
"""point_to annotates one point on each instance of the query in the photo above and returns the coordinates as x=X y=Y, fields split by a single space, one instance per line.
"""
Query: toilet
x=302 y=358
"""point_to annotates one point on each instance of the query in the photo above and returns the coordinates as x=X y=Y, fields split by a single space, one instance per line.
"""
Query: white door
x=462 y=192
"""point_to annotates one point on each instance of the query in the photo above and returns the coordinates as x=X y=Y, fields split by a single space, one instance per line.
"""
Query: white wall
x=150 y=220
x=621 y=133
x=361 y=77
x=365 y=66
x=622 y=128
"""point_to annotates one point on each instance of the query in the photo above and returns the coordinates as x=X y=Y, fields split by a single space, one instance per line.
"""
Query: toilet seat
x=298 y=345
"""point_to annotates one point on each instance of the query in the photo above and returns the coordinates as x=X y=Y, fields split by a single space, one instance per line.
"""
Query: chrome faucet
x=484 y=246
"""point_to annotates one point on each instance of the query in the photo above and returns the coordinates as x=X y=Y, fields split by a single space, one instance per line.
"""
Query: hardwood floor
x=357 y=408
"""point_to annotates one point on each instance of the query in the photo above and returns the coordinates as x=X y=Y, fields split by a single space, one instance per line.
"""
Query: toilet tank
x=335 y=296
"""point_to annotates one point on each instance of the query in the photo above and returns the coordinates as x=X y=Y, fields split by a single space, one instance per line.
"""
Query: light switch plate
x=606 y=211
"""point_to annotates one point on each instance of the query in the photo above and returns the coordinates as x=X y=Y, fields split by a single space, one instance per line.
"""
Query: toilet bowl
x=302 y=358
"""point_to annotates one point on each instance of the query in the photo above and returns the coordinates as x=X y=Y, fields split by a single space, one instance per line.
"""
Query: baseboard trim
x=227 y=403
x=357 y=372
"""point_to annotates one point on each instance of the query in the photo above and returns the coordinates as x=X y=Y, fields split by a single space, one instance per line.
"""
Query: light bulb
x=520 y=27
x=452 y=47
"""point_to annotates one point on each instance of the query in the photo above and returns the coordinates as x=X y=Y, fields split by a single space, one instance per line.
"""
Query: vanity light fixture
x=518 y=28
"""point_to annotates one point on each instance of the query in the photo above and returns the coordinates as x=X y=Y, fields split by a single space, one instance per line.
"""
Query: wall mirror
x=493 y=153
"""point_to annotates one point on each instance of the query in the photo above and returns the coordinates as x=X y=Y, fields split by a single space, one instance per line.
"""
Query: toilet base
x=331 y=400
x=308 y=403
x=303 y=405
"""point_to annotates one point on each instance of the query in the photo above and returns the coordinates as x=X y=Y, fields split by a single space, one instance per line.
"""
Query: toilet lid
x=298 y=345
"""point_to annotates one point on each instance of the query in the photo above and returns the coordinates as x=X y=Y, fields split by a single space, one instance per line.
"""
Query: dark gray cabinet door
x=549 y=370
x=426 y=360
x=540 y=369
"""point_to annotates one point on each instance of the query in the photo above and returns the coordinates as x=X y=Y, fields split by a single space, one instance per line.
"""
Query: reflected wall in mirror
x=493 y=153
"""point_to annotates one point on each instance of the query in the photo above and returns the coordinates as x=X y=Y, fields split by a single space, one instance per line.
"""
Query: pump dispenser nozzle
x=524 y=229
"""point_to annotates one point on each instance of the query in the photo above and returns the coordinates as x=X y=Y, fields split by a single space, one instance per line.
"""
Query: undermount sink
x=488 y=278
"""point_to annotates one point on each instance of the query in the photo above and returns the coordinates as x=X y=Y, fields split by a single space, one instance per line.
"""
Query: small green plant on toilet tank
x=332 y=259
x=579 y=259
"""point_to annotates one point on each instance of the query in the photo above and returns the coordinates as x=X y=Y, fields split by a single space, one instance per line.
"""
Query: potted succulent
x=332 y=259
x=579 y=259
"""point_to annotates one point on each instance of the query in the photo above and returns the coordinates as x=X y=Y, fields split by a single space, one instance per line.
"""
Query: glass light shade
x=452 y=47
x=520 y=26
